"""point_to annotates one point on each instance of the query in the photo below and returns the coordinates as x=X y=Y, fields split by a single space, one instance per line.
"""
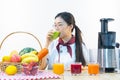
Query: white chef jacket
x=64 y=57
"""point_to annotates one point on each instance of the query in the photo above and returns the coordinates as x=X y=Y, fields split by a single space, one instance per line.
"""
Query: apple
x=15 y=58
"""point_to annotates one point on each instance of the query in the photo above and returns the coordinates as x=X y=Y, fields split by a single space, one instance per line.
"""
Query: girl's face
x=62 y=27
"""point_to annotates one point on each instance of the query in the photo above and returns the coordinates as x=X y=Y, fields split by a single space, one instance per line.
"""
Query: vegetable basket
x=3 y=65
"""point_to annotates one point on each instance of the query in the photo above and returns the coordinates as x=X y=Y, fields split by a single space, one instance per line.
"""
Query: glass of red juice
x=76 y=68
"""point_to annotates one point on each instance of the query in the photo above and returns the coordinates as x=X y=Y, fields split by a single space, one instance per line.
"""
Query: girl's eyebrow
x=58 y=22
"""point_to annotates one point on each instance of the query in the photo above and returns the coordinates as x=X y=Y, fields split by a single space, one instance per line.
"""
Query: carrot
x=42 y=53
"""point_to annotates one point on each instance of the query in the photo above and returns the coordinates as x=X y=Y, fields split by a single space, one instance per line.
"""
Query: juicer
x=106 y=47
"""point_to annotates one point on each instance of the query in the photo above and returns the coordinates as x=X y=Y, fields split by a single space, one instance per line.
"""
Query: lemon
x=11 y=70
x=6 y=58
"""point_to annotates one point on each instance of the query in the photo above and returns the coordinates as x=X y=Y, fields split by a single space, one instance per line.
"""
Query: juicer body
x=106 y=48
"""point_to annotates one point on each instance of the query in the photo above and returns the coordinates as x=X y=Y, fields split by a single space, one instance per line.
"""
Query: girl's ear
x=71 y=26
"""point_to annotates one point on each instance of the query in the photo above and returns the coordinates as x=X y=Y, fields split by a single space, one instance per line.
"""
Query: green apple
x=55 y=35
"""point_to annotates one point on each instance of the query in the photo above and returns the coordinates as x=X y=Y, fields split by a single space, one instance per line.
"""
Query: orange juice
x=58 y=68
x=93 y=68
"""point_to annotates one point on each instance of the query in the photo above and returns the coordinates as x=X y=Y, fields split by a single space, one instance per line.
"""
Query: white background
x=37 y=17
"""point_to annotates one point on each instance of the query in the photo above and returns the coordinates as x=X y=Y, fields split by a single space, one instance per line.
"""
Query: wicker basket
x=3 y=65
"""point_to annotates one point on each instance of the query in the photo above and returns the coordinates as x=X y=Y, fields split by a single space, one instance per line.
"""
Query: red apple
x=15 y=58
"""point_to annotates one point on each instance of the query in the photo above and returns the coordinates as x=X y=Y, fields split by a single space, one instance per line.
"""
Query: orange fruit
x=11 y=70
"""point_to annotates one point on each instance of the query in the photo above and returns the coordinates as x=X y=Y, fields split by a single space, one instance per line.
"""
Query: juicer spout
x=104 y=24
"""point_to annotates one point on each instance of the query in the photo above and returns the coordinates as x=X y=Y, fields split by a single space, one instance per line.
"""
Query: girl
x=68 y=48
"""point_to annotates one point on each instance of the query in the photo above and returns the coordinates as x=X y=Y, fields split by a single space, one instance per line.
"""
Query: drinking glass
x=30 y=69
x=55 y=34
x=58 y=68
x=76 y=68
x=93 y=55
x=93 y=68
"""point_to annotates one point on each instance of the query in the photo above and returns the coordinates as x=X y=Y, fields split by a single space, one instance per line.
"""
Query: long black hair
x=69 y=19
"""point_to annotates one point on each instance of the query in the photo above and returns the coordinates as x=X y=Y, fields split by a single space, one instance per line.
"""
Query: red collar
x=61 y=42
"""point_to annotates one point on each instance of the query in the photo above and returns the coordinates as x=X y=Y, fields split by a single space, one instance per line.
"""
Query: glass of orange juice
x=93 y=68
x=58 y=68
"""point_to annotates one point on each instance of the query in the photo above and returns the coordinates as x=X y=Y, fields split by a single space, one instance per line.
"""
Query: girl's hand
x=48 y=38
